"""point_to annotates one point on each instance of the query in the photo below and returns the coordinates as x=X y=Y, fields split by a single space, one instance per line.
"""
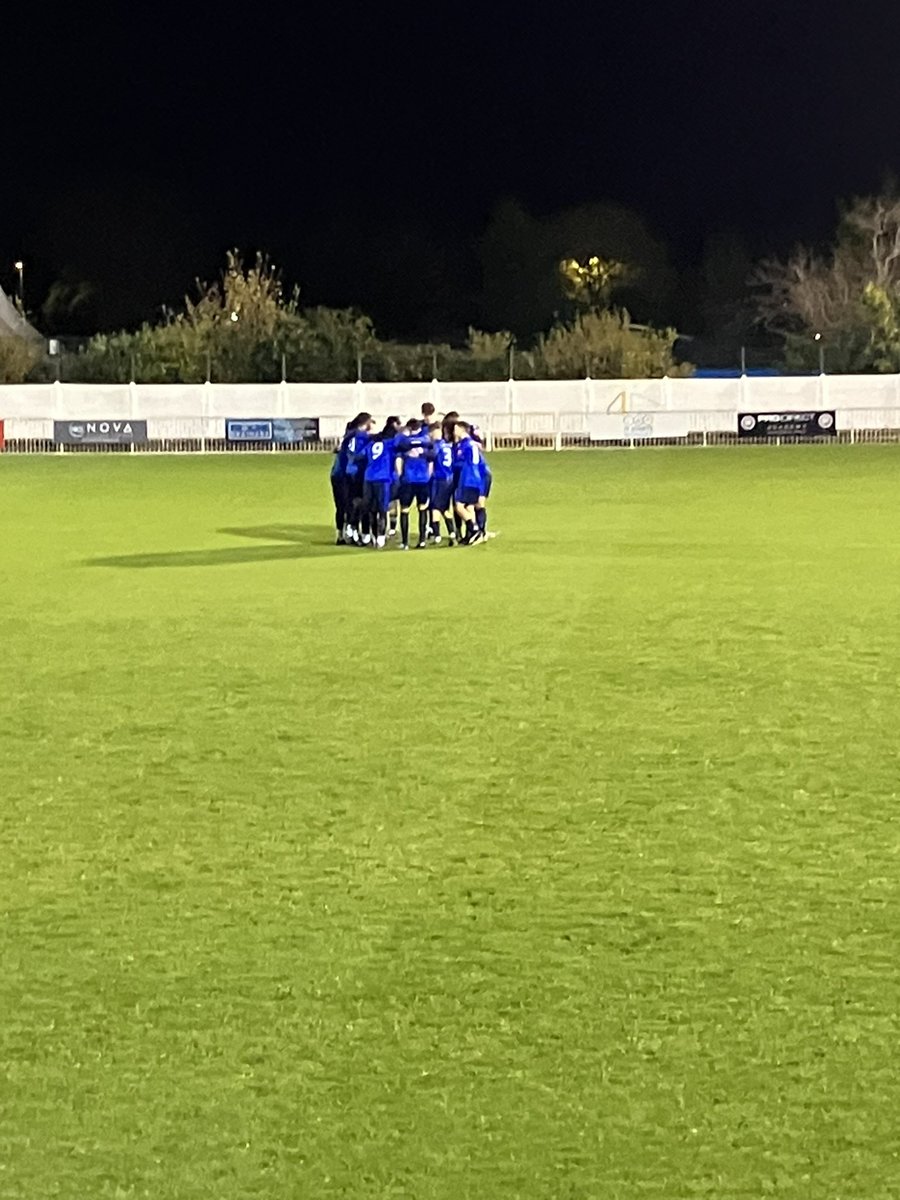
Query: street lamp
x=818 y=338
x=20 y=267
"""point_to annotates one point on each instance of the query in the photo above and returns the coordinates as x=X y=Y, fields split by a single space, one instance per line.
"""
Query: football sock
x=423 y=526
x=404 y=528
x=481 y=518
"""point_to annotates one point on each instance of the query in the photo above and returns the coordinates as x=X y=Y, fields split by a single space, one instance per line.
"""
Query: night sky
x=357 y=143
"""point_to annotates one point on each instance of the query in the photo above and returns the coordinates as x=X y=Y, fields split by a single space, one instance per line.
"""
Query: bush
x=19 y=358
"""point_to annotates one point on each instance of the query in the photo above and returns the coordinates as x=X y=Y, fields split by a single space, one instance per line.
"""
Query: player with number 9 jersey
x=378 y=476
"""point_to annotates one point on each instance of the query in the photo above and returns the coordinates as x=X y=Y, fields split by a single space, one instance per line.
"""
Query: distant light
x=19 y=266
x=818 y=337
x=234 y=316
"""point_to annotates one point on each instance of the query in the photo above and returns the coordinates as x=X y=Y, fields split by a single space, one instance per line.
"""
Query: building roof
x=12 y=323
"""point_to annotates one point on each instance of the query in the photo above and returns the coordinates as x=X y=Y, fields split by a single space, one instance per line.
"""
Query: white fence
x=193 y=416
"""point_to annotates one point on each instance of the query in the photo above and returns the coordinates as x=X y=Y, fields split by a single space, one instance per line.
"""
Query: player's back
x=470 y=464
x=415 y=451
x=379 y=460
x=353 y=449
x=443 y=459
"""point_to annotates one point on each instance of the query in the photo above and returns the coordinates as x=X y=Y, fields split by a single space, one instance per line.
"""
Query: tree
x=883 y=306
x=521 y=256
x=239 y=329
x=606 y=345
x=842 y=295
x=590 y=284
x=65 y=301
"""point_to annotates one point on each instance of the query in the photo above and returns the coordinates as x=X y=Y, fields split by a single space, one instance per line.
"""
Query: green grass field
x=563 y=867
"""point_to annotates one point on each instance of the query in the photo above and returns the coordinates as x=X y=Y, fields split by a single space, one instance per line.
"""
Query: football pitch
x=565 y=867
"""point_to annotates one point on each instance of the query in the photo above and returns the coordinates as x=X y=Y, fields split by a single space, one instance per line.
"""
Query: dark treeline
x=393 y=297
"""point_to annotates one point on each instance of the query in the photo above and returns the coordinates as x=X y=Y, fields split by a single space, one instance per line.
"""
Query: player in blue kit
x=352 y=457
x=442 y=486
x=377 y=484
x=487 y=481
x=393 y=426
x=339 y=491
x=470 y=482
x=414 y=455
x=486 y=484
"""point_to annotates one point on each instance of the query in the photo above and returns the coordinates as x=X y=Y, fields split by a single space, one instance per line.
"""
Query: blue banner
x=249 y=431
x=285 y=431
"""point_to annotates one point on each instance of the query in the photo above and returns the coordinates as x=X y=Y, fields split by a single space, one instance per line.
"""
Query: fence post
x=132 y=403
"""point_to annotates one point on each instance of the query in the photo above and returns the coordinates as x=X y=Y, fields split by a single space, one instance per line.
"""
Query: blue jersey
x=471 y=464
x=415 y=451
x=353 y=448
x=380 y=460
x=443 y=459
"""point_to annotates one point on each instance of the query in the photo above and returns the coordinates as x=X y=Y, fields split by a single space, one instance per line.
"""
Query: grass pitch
x=561 y=868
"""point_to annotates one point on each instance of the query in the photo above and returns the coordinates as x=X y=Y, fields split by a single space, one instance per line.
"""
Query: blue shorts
x=467 y=496
x=377 y=496
x=415 y=493
x=487 y=481
x=442 y=495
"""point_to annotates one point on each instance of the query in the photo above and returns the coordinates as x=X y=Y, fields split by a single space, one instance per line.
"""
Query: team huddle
x=433 y=465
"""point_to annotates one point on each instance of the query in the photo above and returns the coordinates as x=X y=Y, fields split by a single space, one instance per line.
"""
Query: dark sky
x=139 y=141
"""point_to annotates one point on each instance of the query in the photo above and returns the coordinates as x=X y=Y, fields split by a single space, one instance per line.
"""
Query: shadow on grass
x=297 y=541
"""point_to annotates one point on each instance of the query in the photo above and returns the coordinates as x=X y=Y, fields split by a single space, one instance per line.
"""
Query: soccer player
x=449 y=424
x=353 y=449
x=339 y=490
x=429 y=416
x=449 y=435
x=392 y=428
x=442 y=486
x=414 y=457
x=471 y=481
x=487 y=480
x=377 y=481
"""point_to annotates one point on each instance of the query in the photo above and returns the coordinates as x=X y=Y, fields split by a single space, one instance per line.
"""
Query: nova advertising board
x=99 y=433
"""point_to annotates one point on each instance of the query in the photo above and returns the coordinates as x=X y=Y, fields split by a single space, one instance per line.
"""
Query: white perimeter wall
x=672 y=407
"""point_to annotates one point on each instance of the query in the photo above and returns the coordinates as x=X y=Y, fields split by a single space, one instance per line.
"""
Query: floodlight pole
x=818 y=338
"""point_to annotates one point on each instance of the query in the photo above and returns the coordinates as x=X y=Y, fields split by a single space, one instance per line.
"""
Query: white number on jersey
x=377 y=450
